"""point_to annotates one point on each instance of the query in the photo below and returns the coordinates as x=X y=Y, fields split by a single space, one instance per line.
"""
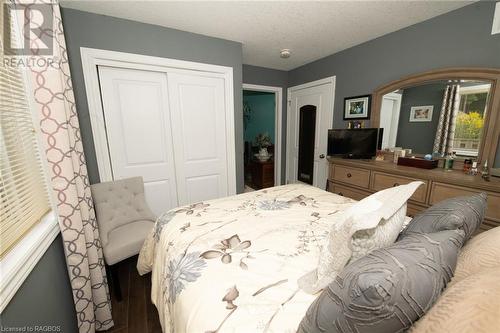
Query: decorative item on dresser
x=357 y=179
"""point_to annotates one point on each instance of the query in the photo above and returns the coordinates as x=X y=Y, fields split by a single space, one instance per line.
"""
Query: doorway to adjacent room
x=262 y=136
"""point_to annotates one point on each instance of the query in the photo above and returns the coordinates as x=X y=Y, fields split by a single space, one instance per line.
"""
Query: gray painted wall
x=459 y=38
x=419 y=136
x=274 y=78
x=83 y=29
x=45 y=296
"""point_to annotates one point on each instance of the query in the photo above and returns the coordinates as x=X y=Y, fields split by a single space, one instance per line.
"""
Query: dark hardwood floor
x=135 y=313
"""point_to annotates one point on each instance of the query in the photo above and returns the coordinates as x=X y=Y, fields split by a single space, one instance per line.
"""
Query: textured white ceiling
x=310 y=29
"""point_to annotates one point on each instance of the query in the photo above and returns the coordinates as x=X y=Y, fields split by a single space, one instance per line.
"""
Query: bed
x=232 y=264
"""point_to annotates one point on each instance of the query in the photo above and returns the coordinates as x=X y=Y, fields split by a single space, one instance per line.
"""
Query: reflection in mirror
x=439 y=117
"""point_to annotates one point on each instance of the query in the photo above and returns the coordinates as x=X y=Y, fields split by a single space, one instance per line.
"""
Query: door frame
x=278 y=110
x=91 y=58
x=326 y=80
x=397 y=98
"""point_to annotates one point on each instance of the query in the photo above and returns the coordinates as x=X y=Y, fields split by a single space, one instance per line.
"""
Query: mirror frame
x=487 y=148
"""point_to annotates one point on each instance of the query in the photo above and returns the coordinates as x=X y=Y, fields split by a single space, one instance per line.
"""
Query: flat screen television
x=359 y=143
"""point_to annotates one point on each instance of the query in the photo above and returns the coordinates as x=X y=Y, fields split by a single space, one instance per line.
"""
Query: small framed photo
x=421 y=113
x=357 y=107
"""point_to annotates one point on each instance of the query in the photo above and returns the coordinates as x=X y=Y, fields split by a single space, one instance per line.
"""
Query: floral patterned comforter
x=232 y=264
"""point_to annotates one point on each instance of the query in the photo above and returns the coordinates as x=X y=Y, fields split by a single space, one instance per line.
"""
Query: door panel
x=306 y=143
x=320 y=99
x=198 y=110
x=136 y=113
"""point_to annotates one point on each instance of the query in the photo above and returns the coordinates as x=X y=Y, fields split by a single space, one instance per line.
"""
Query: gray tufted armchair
x=124 y=221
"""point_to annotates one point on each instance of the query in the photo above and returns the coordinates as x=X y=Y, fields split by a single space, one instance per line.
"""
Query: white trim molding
x=326 y=80
x=20 y=261
x=495 y=27
x=91 y=58
x=278 y=126
x=330 y=79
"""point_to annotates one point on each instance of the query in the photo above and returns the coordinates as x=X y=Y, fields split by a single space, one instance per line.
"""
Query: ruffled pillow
x=380 y=216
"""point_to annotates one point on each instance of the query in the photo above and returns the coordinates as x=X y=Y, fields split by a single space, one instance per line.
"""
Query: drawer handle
x=341 y=194
x=349 y=175
x=395 y=184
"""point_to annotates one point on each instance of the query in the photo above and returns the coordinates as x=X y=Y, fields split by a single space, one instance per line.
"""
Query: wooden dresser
x=262 y=174
x=357 y=179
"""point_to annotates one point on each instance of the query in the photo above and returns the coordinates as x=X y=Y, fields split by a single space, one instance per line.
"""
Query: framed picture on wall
x=421 y=113
x=357 y=107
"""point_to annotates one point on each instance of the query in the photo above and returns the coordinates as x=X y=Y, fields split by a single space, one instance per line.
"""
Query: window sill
x=20 y=261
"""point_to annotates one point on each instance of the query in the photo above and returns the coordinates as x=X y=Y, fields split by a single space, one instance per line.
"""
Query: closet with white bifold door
x=170 y=127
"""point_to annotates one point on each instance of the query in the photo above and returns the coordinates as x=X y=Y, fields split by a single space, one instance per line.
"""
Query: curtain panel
x=443 y=142
x=61 y=138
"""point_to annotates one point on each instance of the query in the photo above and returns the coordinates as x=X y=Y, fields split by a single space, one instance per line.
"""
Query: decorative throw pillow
x=384 y=234
x=466 y=213
x=380 y=216
x=471 y=305
x=393 y=215
x=389 y=289
x=481 y=252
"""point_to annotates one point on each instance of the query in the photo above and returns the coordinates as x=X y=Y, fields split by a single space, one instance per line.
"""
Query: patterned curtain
x=443 y=142
x=53 y=94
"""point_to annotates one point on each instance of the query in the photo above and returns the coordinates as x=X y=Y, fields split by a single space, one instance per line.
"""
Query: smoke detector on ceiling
x=285 y=53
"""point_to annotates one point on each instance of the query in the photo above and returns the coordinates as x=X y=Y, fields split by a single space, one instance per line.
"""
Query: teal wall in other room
x=262 y=116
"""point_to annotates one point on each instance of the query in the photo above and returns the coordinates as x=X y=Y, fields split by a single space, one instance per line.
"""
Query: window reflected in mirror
x=439 y=117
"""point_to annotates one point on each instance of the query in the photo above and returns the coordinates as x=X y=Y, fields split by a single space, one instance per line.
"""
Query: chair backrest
x=118 y=203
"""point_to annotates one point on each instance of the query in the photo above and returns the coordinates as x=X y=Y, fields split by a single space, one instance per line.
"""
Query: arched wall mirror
x=444 y=111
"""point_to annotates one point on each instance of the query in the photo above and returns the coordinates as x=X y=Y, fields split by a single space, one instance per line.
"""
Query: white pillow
x=384 y=234
x=369 y=224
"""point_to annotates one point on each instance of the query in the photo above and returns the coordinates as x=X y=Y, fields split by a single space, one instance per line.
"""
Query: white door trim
x=326 y=80
x=330 y=79
x=91 y=58
x=278 y=93
x=397 y=98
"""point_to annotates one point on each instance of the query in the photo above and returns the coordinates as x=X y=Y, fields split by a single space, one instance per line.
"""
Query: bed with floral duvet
x=232 y=264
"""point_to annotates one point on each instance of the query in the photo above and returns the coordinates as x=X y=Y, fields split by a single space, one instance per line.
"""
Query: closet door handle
x=349 y=175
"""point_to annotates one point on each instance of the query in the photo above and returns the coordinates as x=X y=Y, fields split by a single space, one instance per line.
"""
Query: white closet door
x=139 y=134
x=199 y=132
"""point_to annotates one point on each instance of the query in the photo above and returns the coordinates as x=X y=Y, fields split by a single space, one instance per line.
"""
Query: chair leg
x=115 y=282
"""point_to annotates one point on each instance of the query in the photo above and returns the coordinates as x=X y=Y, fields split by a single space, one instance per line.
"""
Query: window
x=24 y=197
x=470 y=118
x=28 y=223
x=23 y=191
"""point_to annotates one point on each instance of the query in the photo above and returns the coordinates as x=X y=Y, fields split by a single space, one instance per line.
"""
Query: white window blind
x=23 y=190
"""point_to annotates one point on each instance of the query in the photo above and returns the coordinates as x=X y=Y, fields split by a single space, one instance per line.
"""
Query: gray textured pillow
x=389 y=289
x=465 y=213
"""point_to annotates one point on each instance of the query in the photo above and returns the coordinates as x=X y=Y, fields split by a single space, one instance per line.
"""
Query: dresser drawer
x=440 y=192
x=381 y=181
x=350 y=175
x=346 y=191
